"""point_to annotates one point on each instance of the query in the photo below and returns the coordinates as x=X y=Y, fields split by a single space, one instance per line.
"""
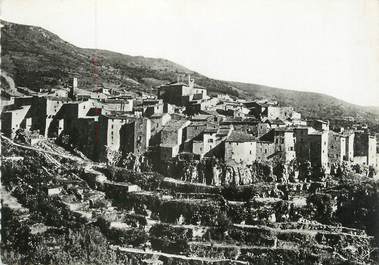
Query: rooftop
x=158 y=115
x=239 y=120
x=277 y=121
x=200 y=117
x=113 y=100
x=210 y=130
x=119 y=116
x=240 y=137
x=175 y=84
x=284 y=129
x=175 y=125
x=223 y=131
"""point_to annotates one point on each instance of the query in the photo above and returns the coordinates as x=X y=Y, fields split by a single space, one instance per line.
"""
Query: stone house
x=15 y=118
x=240 y=148
x=125 y=133
x=172 y=136
x=181 y=94
x=265 y=150
x=365 y=146
x=336 y=148
x=311 y=145
x=205 y=142
x=284 y=142
x=125 y=105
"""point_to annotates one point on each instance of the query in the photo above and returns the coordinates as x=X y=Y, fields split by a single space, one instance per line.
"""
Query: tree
x=113 y=156
x=305 y=171
x=321 y=207
x=371 y=172
x=22 y=136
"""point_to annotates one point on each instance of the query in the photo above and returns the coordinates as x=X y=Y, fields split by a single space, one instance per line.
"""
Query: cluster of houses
x=182 y=118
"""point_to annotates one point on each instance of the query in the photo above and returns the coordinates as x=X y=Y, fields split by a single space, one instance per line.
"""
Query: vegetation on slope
x=37 y=58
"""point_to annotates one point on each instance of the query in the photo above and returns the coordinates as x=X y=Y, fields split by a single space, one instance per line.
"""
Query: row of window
x=234 y=153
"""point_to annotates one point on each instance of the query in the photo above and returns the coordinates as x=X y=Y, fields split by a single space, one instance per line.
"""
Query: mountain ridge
x=37 y=58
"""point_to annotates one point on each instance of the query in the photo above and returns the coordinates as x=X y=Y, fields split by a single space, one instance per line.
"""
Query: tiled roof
x=210 y=130
x=223 y=131
x=174 y=125
x=277 y=121
x=119 y=116
x=175 y=84
x=200 y=117
x=284 y=129
x=240 y=137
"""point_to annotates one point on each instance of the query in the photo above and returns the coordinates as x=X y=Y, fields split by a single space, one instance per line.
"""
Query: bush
x=150 y=181
x=320 y=207
x=170 y=239
x=193 y=212
x=134 y=237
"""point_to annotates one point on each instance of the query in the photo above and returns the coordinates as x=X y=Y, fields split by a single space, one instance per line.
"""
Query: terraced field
x=174 y=222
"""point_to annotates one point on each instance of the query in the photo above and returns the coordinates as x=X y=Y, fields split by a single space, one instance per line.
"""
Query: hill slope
x=37 y=58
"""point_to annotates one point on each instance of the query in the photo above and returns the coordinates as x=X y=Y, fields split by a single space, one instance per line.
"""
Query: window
x=265 y=151
x=282 y=141
x=250 y=152
x=210 y=140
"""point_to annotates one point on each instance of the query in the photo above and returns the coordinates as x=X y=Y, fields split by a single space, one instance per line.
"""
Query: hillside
x=312 y=104
x=37 y=58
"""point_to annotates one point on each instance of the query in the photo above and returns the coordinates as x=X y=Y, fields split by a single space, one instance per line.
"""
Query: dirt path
x=77 y=159
x=151 y=252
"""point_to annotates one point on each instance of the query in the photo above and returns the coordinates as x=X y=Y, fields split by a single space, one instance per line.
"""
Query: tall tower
x=191 y=82
x=73 y=88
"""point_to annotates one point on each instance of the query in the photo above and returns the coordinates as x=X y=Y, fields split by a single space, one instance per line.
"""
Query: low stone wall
x=187 y=187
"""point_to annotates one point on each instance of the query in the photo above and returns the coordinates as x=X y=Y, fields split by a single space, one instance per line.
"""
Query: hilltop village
x=182 y=119
x=182 y=177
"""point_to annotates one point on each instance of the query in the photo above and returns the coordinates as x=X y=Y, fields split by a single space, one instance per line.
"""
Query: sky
x=327 y=46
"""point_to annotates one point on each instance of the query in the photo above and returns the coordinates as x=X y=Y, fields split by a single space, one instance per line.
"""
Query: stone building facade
x=240 y=148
